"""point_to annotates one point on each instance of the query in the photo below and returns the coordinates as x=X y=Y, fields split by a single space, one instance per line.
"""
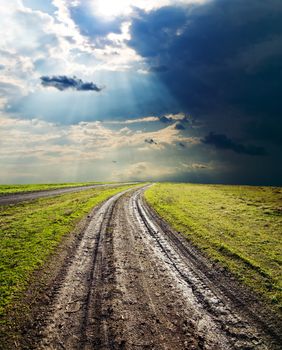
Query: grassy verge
x=30 y=232
x=236 y=226
x=9 y=189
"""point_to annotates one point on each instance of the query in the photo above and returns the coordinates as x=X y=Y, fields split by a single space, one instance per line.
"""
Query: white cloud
x=145 y=171
x=116 y=58
x=109 y=9
x=133 y=121
x=34 y=43
x=87 y=148
x=95 y=134
x=196 y=166
x=51 y=143
x=166 y=118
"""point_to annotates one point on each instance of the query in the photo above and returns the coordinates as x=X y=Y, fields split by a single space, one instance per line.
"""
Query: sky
x=144 y=90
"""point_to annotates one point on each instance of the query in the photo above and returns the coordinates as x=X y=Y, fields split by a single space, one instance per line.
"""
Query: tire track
x=163 y=317
x=93 y=331
x=69 y=319
x=135 y=284
x=245 y=328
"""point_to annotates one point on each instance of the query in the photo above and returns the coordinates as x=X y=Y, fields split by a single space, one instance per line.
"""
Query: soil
x=131 y=282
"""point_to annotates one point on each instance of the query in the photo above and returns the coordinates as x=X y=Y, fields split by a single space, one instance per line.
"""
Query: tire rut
x=156 y=313
x=245 y=327
x=71 y=323
x=134 y=285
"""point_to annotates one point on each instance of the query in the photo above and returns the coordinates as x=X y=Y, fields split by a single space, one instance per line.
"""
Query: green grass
x=237 y=226
x=31 y=231
x=8 y=189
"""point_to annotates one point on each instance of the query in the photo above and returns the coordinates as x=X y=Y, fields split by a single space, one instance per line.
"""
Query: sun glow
x=112 y=8
x=109 y=9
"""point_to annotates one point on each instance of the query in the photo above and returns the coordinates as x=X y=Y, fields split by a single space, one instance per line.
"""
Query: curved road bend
x=133 y=285
x=14 y=198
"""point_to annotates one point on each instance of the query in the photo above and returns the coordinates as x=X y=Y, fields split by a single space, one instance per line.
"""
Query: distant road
x=14 y=198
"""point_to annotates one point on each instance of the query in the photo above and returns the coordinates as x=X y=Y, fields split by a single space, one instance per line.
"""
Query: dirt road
x=14 y=198
x=135 y=284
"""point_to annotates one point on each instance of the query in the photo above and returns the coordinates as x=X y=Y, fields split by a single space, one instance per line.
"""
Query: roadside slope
x=237 y=227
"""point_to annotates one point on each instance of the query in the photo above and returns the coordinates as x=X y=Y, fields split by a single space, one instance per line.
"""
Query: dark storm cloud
x=186 y=119
x=150 y=141
x=199 y=166
x=224 y=62
x=222 y=56
x=165 y=119
x=221 y=141
x=265 y=130
x=179 y=126
x=158 y=69
x=62 y=82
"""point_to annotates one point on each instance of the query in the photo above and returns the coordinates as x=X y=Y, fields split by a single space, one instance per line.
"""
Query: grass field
x=239 y=227
x=30 y=232
x=8 y=189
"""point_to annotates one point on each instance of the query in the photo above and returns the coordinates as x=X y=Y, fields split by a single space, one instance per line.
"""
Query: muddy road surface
x=133 y=283
x=14 y=198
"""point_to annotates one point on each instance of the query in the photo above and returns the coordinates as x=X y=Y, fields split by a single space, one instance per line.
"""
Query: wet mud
x=133 y=283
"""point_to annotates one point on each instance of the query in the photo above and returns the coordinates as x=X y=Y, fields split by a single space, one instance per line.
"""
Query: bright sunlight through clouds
x=113 y=8
x=112 y=89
